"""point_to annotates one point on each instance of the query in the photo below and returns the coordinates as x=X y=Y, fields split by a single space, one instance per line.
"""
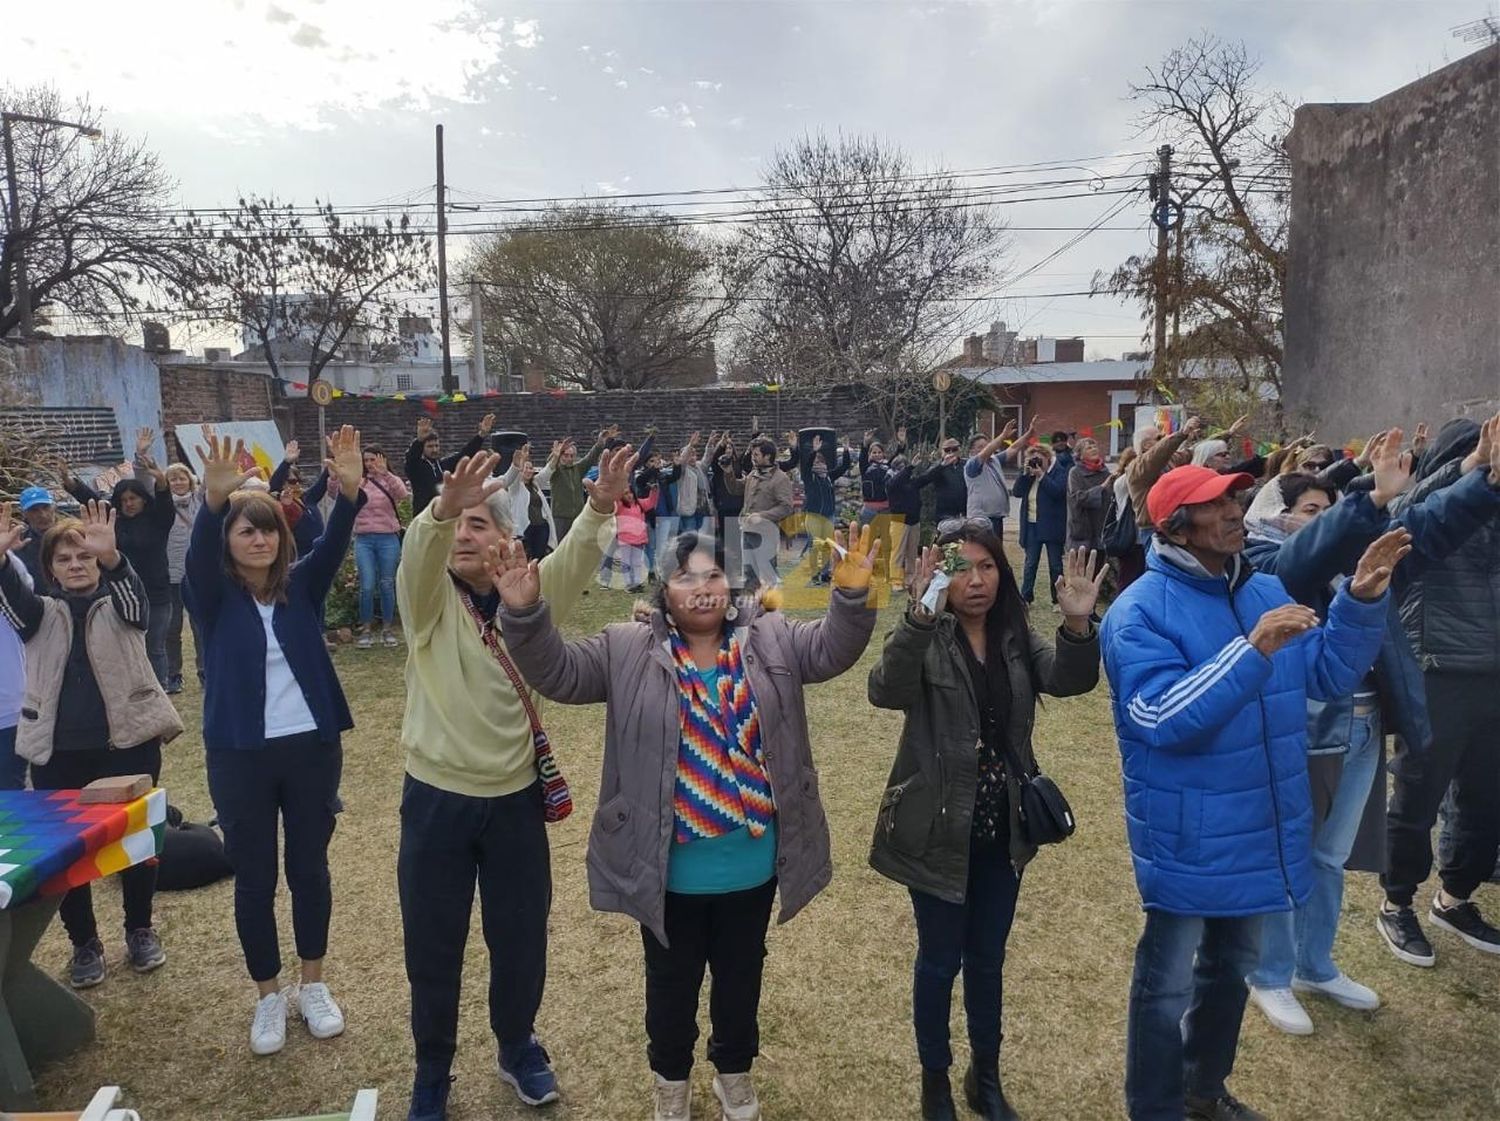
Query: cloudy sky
x=338 y=98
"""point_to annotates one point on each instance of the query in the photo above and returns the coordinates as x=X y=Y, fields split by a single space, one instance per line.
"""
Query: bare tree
x=603 y=297
x=303 y=283
x=89 y=215
x=1227 y=280
x=860 y=267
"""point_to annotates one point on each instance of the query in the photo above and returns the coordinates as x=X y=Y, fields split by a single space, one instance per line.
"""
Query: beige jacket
x=1145 y=469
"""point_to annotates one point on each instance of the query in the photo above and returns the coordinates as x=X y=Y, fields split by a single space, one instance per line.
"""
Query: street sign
x=942 y=381
x=321 y=392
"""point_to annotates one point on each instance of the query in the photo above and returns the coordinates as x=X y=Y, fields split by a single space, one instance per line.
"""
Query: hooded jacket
x=1213 y=734
x=142 y=540
x=1452 y=612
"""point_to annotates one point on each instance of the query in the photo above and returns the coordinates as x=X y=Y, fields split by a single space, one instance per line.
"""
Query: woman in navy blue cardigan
x=273 y=712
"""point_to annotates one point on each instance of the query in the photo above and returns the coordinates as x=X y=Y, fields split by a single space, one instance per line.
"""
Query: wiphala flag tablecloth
x=50 y=842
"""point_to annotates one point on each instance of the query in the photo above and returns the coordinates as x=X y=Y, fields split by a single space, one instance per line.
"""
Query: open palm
x=1078 y=586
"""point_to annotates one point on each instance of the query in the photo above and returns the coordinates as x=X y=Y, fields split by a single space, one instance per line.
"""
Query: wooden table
x=49 y=843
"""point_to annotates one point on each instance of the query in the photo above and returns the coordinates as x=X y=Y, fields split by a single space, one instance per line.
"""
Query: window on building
x=403 y=383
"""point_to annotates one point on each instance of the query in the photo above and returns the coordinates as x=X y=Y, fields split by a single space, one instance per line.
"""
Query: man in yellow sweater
x=473 y=805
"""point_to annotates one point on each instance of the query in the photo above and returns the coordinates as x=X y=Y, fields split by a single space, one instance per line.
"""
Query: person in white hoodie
x=531 y=512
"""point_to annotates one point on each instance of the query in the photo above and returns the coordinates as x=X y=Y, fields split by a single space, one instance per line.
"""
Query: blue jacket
x=1213 y=734
x=234 y=639
x=1051 y=523
x=1329 y=546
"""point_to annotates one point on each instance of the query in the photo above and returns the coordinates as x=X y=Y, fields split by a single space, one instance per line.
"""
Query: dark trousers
x=12 y=766
x=158 y=623
x=1465 y=751
x=726 y=933
x=1187 y=999
x=535 y=540
x=562 y=525
x=447 y=840
x=70 y=770
x=174 y=637
x=968 y=936
x=295 y=778
x=1034 y=547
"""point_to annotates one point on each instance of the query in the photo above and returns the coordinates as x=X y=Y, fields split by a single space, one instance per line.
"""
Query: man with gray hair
x=481 y=781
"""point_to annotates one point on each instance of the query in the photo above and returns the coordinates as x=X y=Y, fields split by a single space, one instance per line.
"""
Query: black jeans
x=295 y=778
x=447 y=840
x=70 y=770
x=535 y=539
x=970 y=936
x=1465 y=714
x=726 y=933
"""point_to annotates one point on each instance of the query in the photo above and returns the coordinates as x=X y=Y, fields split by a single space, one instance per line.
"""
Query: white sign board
x=263 y=446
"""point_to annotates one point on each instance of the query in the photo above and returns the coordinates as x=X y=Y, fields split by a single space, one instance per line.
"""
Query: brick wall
x=203 y=394
x=674 y=412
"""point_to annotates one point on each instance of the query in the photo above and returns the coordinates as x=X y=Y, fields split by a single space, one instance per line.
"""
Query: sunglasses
x=956 y=526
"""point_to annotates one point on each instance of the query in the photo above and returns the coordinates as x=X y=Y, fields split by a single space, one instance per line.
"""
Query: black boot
x=983 y=1093
x=937 y=1096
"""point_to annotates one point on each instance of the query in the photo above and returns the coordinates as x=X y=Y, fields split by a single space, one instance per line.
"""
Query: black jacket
x=906 y=499
x=142 y=540
x=426 y=475
x=950 y=492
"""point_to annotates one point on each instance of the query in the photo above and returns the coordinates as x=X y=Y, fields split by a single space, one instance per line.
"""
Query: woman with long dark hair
x=966 y=668
x=699 y=869
x=273 y=714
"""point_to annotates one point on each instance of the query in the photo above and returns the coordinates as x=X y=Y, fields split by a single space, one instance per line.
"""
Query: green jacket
x=922 y=828
x=568 y=495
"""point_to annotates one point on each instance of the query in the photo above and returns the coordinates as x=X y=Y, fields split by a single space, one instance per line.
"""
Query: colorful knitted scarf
x=721 y=774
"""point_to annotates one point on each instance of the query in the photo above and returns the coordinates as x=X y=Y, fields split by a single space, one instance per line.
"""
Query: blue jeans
x=1187 y=998
x=1301 y=941
x=12 y=766
x=970 y=936
x=376 y=555
x=1034 y=546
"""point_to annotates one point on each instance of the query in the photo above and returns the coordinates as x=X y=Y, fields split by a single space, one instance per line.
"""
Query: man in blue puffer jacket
x=1211 y=665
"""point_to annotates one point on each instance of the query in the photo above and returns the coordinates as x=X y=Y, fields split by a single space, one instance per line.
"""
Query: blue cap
x=32 y=497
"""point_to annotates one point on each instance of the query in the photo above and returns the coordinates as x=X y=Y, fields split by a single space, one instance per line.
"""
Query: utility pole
x=1162 y=213
x=450 y=383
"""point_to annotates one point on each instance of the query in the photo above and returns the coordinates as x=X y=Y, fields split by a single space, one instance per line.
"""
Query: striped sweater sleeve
x=1169 y=703
x=127 y=593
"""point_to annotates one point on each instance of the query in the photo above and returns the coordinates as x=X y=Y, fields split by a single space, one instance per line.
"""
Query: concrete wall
x=1393 y=274
x=91 y=371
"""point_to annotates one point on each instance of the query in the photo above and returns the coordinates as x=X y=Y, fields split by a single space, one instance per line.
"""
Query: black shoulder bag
x=1044 y=814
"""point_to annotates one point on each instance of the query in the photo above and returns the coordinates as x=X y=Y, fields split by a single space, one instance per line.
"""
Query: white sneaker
x=318 y=1011
x=737 y=1096
x=674 y=1100
x=1283 y=1010
x=1349 y=993
x=268 y=1029
x=364 y=641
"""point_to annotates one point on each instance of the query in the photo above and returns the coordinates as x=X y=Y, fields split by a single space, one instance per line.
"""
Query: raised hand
x=1238 y=426
x=1367 y=453
x=486 y=423
x=1009 y=431
x=1392 y=468
x=1419 y=441
x=99 y=533
x=521 y=457
x=556 y=453
x=1372 y=576
x=1494 y=438
x=928 y=562
x=144 y=438
x=518 y=580
x=424 y=427
x=293 y=452
x=901 y=435
x=615 y=469
x=11 y=531
x=1078 y=588
x=1489 y=437
x=221 y=469
x=1280 y=625
x=855 y=560
x=345 y=462
x=1193 y=428
x=468 y=484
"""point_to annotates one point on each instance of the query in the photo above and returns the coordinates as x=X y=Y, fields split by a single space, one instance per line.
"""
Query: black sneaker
x=1464 y=920
x=144 y=950
x=1227 y=1107
x=429 y=1100
x=87 y=967
x=937 y=1096
x=1403 y=934
x=174 y=685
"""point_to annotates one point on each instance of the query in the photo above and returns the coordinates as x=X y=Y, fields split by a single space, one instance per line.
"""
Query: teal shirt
x=717 y=865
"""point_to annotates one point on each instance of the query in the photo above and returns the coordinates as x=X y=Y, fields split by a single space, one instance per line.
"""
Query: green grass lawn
x=836 y=1035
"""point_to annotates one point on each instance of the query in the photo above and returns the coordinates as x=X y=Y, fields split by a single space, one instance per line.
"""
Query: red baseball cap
x=1188 y=486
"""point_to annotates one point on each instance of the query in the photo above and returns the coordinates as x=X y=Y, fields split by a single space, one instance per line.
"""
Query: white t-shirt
x=287 y=713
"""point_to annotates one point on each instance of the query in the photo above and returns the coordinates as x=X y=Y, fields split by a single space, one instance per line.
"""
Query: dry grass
x=835 y=1016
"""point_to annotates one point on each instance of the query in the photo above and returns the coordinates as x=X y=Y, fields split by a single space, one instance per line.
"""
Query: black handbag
x=1046 y=818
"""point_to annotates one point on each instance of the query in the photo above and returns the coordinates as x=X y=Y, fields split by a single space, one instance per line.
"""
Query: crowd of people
x=1263 y=627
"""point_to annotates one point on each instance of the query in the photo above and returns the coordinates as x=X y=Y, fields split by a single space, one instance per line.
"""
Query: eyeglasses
x=958 y=525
